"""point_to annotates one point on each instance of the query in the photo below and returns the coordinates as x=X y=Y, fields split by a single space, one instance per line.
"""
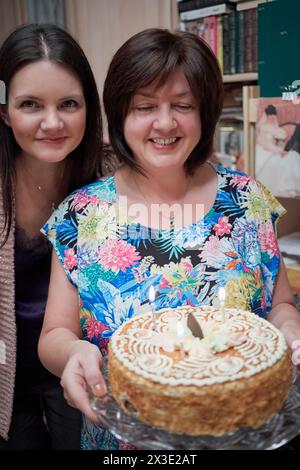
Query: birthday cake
x=237 y=374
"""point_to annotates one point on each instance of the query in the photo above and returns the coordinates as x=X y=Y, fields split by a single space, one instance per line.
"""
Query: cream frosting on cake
x=167 y=371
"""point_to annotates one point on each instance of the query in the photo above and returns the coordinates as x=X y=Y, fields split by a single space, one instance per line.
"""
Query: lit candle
x=151 y=301
x=180 y=334
x=222 y=296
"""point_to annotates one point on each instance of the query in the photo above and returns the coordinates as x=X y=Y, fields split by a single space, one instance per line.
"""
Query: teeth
x=164 y=141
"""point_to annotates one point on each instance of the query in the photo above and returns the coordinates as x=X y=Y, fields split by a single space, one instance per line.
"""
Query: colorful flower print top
x=113 y=262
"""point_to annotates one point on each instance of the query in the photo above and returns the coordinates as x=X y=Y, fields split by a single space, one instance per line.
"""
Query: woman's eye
x=145 y=108
x=28 y=104
x=70 y=104
x=183 y=107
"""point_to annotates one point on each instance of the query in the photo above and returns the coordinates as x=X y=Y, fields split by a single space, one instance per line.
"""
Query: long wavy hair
x=32 y=43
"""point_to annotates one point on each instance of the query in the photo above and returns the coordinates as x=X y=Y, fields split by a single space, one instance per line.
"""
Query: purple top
x=32 y=274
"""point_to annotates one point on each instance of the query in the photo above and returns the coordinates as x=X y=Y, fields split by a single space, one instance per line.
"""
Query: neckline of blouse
x=176 y=230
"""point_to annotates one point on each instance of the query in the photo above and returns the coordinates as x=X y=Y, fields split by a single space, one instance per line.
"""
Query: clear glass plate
x=280 y=429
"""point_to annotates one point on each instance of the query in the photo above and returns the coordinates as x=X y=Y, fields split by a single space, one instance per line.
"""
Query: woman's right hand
x=83 y=369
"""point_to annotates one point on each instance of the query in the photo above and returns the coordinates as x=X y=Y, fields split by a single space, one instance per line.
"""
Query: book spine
x=255 y=40
x=201 y=28
x=220 y=42
x=232 y=41
x=245 y=5
x=206 y=37
x=247 y=41
x=191 y=27
x=204 y=12
x=213 y=34
x=240 y=48
x=226 y=52
x=194 y=4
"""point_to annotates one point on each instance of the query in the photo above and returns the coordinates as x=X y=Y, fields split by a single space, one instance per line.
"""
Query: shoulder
x=251 y=193
x=238 y=181
x=232 y=174
x=103 y=189
x=83 y=200
x=96 y=193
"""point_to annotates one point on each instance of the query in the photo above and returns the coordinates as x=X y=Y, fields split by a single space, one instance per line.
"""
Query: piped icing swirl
x=239 y=347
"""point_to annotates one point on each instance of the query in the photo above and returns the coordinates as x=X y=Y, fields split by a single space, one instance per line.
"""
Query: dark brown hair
x=154 y=54
x=32 y=43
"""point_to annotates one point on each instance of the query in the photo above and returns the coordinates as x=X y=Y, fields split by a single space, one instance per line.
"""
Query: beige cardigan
x=8 y=332
x=8 y=329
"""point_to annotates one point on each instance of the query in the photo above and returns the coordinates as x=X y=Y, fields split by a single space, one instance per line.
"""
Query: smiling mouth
x=52 y=140
x=169 y=141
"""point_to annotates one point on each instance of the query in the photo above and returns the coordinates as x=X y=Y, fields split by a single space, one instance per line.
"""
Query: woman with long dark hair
x=50 y=144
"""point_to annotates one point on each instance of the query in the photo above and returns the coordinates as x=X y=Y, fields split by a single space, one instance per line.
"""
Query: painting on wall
x=277 y=153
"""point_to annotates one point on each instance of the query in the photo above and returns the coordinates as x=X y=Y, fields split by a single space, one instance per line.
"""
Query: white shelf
x=240 y=77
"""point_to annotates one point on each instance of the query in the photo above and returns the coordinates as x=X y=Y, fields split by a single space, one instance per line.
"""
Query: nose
x=51 y=121
x=165 y=120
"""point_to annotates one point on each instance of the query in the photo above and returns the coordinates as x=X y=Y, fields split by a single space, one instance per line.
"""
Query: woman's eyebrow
x=27 y=97
x=150 y=95
x=32 y=97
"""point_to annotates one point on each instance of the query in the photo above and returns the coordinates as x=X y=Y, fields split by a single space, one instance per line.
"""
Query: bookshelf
x=229 y=29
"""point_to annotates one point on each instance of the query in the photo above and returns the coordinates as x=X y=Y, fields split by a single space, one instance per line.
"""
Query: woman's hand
x=296 y=357
x=83 y=369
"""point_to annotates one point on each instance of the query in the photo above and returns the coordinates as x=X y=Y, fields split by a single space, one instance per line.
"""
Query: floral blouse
x=113 y=262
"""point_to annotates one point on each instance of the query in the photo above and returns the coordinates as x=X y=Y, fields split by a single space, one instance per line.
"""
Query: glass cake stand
x=276 y=432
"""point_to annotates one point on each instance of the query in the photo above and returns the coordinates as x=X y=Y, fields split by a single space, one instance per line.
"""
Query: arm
x=284 y=314
x=60 y=348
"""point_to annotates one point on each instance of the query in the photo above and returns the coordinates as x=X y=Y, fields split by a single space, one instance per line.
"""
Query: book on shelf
x=204 y=12
x=232 y=42
x=250 y=39
x=246 y=5
x=226 y=53
x=220 y=42
x=196 y=4
x=240 y=43
x=232 y=37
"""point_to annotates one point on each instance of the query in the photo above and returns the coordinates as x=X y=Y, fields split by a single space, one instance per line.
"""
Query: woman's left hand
x=295 y=346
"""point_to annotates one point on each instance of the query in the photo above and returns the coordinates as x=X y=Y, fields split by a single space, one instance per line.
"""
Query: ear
x=4 y=116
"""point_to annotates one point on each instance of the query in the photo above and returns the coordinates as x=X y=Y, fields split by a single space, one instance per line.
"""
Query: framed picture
x=277 y=152
x=229 y=144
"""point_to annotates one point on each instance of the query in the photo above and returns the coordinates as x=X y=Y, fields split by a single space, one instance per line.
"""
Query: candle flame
x=180 y=329
x=151 y=294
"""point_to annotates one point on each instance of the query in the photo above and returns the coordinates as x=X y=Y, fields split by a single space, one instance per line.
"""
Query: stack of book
x=229 y=28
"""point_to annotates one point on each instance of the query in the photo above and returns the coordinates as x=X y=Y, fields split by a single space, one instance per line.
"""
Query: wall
x=101 y=26
x=11 y=15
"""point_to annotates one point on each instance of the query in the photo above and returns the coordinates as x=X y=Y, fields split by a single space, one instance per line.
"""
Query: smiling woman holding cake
x=167 y=219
